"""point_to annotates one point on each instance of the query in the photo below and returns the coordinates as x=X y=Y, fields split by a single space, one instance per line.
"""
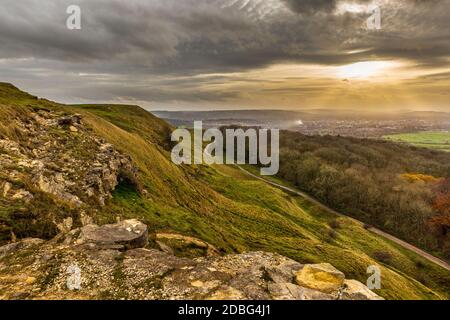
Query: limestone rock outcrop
x=117 y=262
x=354 y=290
x=58 y=161
x=322 y=277
x=125 y=235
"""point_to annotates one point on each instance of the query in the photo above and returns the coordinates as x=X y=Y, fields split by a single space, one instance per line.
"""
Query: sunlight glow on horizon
x=364 y=70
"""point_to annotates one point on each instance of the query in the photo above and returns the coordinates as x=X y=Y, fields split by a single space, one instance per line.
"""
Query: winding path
x=386 y=235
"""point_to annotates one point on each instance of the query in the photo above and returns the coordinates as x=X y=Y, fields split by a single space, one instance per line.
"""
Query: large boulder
x=227 y=293
x=125 y=235
x=113 y=262
x=21 y=245
x=290 y=291
x=322 y=277
x=355 y=290
x=283 y=272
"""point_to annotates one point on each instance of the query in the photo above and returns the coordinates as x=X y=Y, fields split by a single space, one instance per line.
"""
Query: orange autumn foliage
x=442 y=204
x=415 y=177
x=440 y=223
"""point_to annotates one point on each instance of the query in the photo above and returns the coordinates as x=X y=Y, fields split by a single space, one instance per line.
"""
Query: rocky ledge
x=122 y=261
x=56 y=161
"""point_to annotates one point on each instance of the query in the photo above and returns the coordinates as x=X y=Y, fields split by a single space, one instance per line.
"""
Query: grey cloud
x=308 y=6
x=152 y=94
x=197 y=35
x=140 y=39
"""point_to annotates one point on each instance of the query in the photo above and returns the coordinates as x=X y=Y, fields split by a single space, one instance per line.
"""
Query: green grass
x=235 y=213
x=439 y=140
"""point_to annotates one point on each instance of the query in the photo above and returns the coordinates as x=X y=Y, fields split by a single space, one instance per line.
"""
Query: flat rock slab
x=290 y=291
x=21 y=245
x=128 y=234
x=322 y=277
x=355 y=290
x=114 y=258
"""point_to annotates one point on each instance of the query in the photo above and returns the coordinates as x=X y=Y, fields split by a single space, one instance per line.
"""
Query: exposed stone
x=323 y=277
x=110 y=268
x=69 y=120
x=184 y=243
x=22 y=195
x=23 y=244
x=66 y=225
x=290 y=291
x=163 y=247
x=6 y=187
x=57 y=189
x=197 y=284
x=20 y=295
x=77 y=118
x=79 y=170
x=355 y=290
x=128 y=234
x=283 y=273
x=30 y=280
x=85 y=219
x=227 y=293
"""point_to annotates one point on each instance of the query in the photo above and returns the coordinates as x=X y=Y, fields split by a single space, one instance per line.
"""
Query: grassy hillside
x=231 y=211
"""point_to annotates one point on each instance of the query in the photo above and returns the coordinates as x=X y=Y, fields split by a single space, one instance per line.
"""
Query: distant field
x=434 y=140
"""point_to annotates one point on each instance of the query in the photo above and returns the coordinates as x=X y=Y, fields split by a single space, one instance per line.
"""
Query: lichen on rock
x=59 y=162
x=116 y=262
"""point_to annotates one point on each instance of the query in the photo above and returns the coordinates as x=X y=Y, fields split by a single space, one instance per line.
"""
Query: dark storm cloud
x=195 y=35
x=307 y=6
x=137 y=38
x=152 y=94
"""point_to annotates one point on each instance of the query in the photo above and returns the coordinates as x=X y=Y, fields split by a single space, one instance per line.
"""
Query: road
x=379 y=232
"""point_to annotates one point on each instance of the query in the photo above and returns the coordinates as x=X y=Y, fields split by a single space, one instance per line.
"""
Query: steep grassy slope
x=235 y=213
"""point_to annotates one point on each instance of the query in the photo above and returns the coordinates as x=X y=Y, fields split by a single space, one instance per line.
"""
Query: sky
x=231 y=54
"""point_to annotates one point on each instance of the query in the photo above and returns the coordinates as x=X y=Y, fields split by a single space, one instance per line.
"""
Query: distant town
x=323 y=123
x=369 y=128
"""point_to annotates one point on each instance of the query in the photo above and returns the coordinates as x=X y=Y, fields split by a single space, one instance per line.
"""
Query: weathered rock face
x=63 y=157
x=184 y=246
x=113 y=262
x=289 y=291
x=125 y=235
x=354 y=290
x=323 y=277
x=59 y=156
